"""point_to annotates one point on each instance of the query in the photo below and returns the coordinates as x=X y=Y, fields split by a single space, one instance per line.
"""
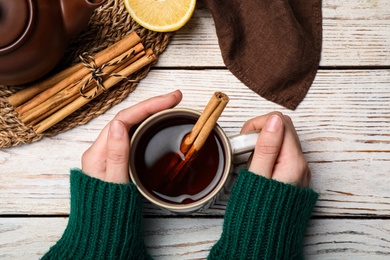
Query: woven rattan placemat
x=109 y=23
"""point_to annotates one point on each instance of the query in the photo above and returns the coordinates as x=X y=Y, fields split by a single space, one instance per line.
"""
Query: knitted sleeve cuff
x=264 y=219
x=105 y=221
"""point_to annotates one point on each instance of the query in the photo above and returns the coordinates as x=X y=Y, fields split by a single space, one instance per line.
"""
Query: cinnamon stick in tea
x=206 y=121
x=194 y=141
x=107 y=55
x=148 y=58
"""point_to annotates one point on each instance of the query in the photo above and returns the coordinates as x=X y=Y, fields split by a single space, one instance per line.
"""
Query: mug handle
x=243 y=143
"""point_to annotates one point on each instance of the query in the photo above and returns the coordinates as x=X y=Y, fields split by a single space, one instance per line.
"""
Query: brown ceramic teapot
x=34 y=35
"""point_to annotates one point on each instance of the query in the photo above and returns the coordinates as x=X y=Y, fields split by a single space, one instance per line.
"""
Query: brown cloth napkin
x=272 y=46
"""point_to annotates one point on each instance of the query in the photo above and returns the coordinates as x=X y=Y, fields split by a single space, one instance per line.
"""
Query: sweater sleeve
x=264 y=219
x=105 y=222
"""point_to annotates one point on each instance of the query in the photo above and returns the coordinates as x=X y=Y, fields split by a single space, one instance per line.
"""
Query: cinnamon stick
x=195 y=140
x=148 y=58
x=105 y=56
x=24 y=95
x=28 y=93
x=206 y=121
x=70 y=93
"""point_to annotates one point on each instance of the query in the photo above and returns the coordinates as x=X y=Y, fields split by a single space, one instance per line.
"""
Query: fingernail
x=117 y=129
x=168 y=94
x=273 y=124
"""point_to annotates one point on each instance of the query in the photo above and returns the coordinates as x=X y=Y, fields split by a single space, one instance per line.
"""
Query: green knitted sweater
x=264 y=219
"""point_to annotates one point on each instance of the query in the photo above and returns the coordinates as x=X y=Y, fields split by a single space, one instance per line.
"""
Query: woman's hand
x=108 y=157
x=278 y=154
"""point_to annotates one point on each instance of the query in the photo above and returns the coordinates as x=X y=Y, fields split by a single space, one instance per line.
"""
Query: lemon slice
x=161 y=15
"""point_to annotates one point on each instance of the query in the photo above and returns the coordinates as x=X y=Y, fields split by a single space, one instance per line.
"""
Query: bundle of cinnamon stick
x=48 y=102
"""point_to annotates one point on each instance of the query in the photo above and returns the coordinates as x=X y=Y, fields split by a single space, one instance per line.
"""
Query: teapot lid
x=15 y=23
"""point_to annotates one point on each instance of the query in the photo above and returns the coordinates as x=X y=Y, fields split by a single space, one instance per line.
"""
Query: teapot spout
x=77 y=13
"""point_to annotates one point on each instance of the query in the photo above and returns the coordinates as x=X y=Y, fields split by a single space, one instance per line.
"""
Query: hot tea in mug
x=155 y=153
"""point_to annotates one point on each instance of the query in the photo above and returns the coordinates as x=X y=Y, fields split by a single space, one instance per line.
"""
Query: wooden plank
x=189 y=238
x=343 y=124
x=347 y=239
x=355 y=33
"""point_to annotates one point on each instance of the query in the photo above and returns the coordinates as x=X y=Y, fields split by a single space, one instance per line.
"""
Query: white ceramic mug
x=230 y=147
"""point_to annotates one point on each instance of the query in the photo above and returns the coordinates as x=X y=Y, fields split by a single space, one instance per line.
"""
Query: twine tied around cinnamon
x=97 y=73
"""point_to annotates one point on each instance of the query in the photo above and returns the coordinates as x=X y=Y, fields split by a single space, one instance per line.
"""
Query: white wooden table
x=344 y=126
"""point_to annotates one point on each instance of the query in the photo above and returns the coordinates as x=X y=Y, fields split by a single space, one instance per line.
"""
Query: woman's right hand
x=278 y=154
